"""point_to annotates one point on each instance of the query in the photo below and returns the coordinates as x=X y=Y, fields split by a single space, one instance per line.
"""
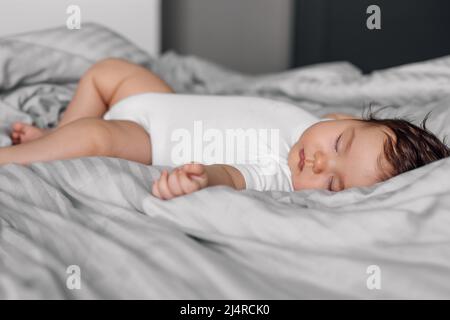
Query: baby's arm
x=193 y=177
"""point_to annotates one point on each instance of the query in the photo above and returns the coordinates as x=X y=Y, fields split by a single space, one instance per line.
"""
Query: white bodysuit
x=252 y=134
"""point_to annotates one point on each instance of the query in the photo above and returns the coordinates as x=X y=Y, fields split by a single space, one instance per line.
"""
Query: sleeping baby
x=123 y=110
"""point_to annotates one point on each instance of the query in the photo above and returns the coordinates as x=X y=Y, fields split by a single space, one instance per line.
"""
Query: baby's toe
x=15 y=139
x=18 y=126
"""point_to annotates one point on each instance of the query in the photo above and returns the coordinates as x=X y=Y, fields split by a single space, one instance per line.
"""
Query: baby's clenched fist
x=182 y=180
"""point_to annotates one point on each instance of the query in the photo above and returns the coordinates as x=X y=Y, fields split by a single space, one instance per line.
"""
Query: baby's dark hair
x=414 y=146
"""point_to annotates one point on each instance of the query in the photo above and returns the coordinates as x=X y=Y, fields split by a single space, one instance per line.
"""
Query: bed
x=97 y=214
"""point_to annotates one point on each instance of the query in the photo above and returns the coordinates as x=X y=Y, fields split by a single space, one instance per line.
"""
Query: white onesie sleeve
x=258 y=177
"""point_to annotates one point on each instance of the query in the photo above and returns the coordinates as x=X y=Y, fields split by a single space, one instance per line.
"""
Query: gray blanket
x=390 y=240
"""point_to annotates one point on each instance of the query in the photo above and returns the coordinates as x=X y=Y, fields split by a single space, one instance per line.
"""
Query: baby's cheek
x=302 y=182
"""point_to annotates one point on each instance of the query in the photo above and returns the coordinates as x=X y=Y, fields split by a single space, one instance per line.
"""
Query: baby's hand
x=182 y=180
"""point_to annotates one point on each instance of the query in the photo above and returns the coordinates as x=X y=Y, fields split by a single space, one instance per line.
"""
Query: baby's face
x=338 y=154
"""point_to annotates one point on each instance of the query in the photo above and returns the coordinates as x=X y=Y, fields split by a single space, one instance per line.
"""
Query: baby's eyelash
x=337 y=141
x=335 y=148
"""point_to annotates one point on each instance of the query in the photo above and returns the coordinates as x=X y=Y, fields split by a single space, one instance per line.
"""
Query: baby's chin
x=293 y=157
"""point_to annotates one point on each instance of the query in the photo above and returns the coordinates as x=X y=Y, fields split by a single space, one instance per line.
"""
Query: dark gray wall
x=411 y=30
x=252 y=36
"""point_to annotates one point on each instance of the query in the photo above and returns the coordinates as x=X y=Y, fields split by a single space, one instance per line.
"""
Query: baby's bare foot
x=23 y=132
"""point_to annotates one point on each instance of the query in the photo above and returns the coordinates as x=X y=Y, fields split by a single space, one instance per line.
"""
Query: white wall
x=138 y=20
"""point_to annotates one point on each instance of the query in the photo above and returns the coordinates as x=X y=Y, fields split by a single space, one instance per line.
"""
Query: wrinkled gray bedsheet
x=97 y=213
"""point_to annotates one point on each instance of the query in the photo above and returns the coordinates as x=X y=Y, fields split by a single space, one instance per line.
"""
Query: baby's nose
x=319 y=163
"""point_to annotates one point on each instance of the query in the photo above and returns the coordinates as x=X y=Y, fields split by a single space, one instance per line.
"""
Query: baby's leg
x=103 y=85
x=82 y=138
x=108 y=82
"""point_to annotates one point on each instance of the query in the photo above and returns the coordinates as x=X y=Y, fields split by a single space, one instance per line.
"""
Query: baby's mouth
x=301 y=163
